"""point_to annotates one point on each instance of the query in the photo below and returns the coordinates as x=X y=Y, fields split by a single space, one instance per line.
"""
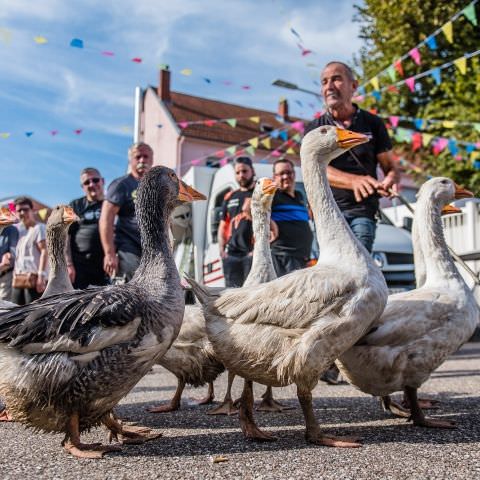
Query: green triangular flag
x=232 y=122
x=469 y=12
x=231 y=150
x=391 y=73
x=476 y=126
x=250 y=150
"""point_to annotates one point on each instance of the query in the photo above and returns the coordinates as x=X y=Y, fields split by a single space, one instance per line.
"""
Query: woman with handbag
x=30 y=273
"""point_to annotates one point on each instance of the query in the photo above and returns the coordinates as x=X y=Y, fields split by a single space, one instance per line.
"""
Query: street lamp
x=292 y=86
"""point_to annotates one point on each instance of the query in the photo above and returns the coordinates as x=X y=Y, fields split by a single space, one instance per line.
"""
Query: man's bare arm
x=362 y=185
x=105 y=224
x=222 y=237
x=391 y=172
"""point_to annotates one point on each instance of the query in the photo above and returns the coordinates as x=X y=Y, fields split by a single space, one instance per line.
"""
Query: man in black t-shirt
x=235 y=233
x=121 y=245
x=85 y=254
x=353 y=175
x=292 y=247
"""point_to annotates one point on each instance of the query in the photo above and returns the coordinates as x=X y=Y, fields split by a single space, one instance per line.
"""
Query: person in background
x=85 y=252
x=121 y=245
x=31 y=256
x=8 y=244
x=235 y=232
x=292 y=247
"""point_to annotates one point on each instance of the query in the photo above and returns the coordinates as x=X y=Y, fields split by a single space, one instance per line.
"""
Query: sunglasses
x=23 y=209
x=92 y=181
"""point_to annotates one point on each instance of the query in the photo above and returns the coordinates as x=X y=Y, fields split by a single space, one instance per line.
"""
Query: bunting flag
x=447 y=30
x=375 y=83
x=415 y=54
x=398 y=67
x=437 y=76
x=391 y=73
x=410 y=82
x=253 y=142
x=449 y=124
x=232 y=122
x=4 y=135
x=431 y=43
x=186 y=71
x=461 y=64
x=250 y=150
x=426 y=139
x=40 y=40
x=421 y=123
x=469 y=12
x=5 y=35
x=42 y=213
x=254 y=119
x=394 y=121
x=76 y=43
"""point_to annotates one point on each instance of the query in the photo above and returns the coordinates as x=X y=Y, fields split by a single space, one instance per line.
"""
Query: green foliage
x=390 y=28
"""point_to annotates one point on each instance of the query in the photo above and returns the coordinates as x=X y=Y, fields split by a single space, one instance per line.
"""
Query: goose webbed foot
x=269 y=404
x=5 y=416
x=209 y=397
x=395 y=408
x=129 y=434
x=418 y=416
x=174 y=403
x=424 y=403
x=247 y=422
x=227 y=407
x=313 y=433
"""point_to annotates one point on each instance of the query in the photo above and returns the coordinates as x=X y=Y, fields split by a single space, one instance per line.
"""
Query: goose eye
x=173 y=176
x=323 y=131
x=445 y=182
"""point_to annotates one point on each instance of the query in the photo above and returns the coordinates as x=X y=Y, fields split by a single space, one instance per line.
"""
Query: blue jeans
x=364 y=229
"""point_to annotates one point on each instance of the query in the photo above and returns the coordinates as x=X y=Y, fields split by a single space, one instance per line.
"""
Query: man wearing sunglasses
x=85 y=259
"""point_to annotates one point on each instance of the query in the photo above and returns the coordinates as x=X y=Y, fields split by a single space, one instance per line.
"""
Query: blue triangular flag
x=431 y=43
x=361 y=91
x=28 y=134
x=437 y=76
x=283 y=135
x=376 y=95
x=77 y=43
x=279 y=118
x=207 y=80
x=299 y=103
x=274 y=133
x=470 y=147
x=418 y=122
x=476 y=164
x=452 y=146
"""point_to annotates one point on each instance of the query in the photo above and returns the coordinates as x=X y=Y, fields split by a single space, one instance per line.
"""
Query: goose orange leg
x=418 y=416
x=210 y=395
x=72 y=444
x=247 y=422
x=269 y=404
x=174 y=402
x=313 y=433
x=227 y=407
x=393 y=407
x=129 y=434
x=5 y=416
x=425 y=403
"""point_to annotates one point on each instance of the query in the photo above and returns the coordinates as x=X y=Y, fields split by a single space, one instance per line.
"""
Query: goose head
x=442 y=191
x=263 y=193
x=7 y=217
x=61 y=218
x=328 y=142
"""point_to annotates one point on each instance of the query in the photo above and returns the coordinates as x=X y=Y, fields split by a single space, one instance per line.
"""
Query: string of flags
x=211 y=122
x=29 y=134
x=396 y=68
x=410 y=82
x=423 y=123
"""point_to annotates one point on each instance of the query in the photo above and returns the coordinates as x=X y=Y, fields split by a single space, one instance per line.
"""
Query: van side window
x=216 y=213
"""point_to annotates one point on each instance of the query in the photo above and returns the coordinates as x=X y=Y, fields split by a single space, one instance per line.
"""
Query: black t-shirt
x=294 y=233
x=372 y=126
x=239 y=222
x=84 y=235
x=123 y=193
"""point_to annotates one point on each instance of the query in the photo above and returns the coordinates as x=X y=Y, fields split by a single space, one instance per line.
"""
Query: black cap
x=244 y=161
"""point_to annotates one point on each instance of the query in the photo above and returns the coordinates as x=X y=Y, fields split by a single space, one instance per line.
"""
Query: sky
x=53 y=87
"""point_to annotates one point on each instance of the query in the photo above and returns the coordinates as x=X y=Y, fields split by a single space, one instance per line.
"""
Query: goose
x=420 y=328
x=290 y=330
x=191 y=357
x=68 y=359
x=58 y=222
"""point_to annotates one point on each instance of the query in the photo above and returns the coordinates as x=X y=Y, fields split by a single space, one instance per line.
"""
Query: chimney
x=283 y=108
x=164 y=87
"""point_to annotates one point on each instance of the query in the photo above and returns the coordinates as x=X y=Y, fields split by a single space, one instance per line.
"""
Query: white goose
x=419 y=329
x=191 y=357
x=291 y=329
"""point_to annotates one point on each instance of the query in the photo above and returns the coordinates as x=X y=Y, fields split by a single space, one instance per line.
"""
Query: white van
x=195 y=230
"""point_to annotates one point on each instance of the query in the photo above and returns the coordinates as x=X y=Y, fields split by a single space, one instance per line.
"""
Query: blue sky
x=56 y=87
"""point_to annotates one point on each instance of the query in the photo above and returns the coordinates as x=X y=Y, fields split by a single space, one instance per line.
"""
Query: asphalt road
x=393 y=449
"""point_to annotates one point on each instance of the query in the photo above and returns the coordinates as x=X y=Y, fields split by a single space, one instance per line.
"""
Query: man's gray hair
x=91 y=170
x=347 y=69
x=137 y=145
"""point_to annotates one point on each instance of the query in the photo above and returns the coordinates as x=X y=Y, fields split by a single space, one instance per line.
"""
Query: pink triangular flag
x=415 y=54
x=410 y=83
x=107 y=53
x=78 y=131
x=210 y=123
x=441 y=143
x=394 y=120
x=220 y=154
x=196 y=161
x=53 y=132
x=224 y=161
x=275 y=153
x=137 y=60
x=298 y=125
x=246 y=87
x=183 y=124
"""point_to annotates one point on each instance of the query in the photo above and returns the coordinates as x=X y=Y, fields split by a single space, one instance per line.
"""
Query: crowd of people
x=105 y=243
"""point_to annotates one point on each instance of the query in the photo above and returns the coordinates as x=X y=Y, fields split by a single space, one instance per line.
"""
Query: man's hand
x=5 y=263
x=41 y=283
x=71 y=272
x=363 y=186
x=273 y=231
x=387 y=184
x=110 y=264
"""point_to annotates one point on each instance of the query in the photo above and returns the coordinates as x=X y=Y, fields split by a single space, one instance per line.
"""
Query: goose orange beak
x=348 y=139
x=461 y=192
x=188 y=194
x=269 y=187
x=449 y=209
x=7 y=217
x=69 y=216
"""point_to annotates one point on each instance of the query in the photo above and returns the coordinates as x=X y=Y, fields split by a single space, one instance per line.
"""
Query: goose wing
x=77 y=321
x=293 y=301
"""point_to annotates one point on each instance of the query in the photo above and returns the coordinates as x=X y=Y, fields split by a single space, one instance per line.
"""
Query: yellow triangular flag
x=474 y=156
x=43 y=213
x=266 y=142
x=461 y=64
x=253 y=142
x=375 y=84
x=40 y=40
x=449 y=124
x=186 y=71
x=4 y=135
x=5 y=35
x=291 y=151
x=447 y=29
x=426 y=139
x=255 y=119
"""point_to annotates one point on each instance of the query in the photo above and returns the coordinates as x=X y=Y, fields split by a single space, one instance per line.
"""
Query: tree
x=390 y=29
